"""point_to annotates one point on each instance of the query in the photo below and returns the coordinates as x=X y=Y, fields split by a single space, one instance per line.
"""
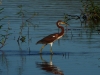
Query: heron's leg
x=51 y=59
x=51 y=48
x=42 y=58
x=42 y=48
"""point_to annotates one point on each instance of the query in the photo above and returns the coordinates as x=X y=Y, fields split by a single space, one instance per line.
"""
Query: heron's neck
x=62 y=29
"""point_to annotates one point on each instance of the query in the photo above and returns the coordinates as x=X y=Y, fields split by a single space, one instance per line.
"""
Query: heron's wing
x=48 y=39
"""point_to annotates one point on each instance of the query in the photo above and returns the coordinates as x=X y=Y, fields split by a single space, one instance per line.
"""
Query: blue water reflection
x=23 y=63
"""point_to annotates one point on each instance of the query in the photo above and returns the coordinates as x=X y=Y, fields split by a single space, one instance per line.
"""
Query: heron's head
x=61 y=22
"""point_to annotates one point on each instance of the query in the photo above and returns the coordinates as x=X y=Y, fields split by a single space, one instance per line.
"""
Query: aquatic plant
x=0 y=2
x=5 y=32
x=4 y=36
x=91 y=11
x=89 y=16
x=25 y=23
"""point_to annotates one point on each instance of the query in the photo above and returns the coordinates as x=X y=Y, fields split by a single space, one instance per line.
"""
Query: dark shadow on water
x=23 y=52
x=48 y=66
x=27 y=53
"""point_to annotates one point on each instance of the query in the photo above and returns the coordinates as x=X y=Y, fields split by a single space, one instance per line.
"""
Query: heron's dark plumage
x=48 y=39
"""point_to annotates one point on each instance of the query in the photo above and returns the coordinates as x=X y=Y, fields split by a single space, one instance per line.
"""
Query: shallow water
x=76 y=53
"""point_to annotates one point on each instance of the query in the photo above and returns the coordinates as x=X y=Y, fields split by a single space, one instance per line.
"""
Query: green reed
x=89 y=16
x=91 y=10
x=4 y=32
x=25 y=23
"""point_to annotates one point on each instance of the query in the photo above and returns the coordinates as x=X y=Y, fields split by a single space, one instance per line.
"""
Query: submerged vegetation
x=25 y=22
x=5 y=32
x=90 y=13
x=91 y=10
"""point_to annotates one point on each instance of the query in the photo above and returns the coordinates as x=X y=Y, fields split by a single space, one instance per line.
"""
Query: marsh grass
x=4 y=32
x=92 y=11
x=89 y=16
x=25 y=23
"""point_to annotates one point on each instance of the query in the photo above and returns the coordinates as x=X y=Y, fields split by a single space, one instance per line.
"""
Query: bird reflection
x=48 y=66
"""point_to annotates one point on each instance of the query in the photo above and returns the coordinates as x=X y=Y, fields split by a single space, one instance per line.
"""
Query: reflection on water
x=49 y=67
x=3 y=61
x=23 y=63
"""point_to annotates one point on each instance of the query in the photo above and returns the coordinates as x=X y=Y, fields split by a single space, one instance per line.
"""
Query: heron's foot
x=40 y=52
x=52 y=53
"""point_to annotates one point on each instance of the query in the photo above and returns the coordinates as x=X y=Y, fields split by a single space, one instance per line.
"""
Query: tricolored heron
x=52 y=37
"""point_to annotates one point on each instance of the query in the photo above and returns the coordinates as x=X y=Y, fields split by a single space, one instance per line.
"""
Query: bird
x=52 y=37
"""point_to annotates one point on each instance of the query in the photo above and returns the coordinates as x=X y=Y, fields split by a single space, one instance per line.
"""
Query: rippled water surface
x=76 y=53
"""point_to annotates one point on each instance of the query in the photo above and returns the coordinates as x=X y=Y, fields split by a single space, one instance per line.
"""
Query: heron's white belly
x=59 y=37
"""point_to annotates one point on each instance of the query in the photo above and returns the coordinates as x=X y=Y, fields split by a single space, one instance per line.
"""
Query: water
x=76 y=53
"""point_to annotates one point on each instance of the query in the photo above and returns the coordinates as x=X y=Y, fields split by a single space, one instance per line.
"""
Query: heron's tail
x=39 y=42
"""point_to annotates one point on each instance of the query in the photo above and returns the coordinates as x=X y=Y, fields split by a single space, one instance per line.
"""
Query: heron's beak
x=65 y=23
